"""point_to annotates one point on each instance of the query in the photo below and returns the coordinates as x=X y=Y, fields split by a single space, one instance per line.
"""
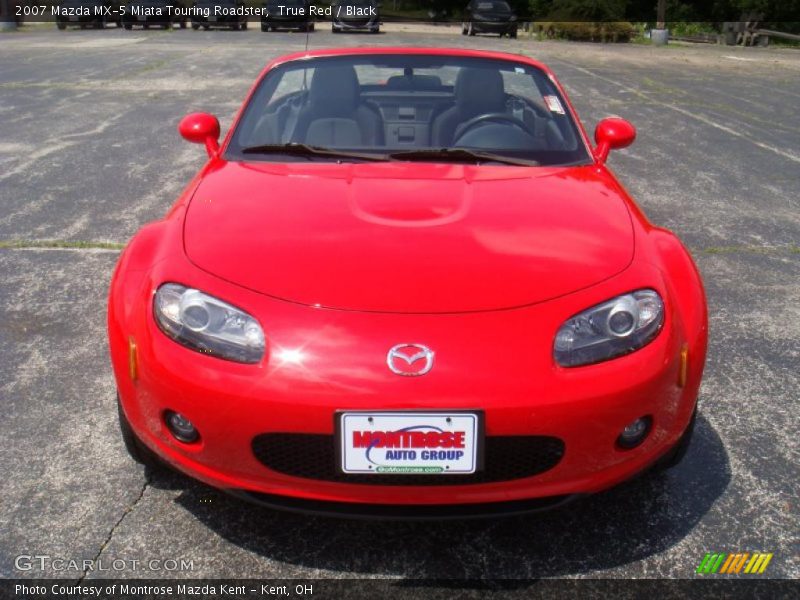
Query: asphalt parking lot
x=89 y=152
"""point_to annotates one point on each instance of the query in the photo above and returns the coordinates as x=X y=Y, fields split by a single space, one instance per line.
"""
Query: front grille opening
x=313 y=456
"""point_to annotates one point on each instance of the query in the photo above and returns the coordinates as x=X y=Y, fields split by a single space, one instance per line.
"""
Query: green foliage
x=691 y=28
x=588 y=10
x=586 y=31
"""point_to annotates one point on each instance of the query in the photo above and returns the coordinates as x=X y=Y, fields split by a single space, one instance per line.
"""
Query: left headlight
x=611 y=329
x=208 y=325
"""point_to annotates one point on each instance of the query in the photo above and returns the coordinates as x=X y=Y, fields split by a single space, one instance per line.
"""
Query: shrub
x=587 y=31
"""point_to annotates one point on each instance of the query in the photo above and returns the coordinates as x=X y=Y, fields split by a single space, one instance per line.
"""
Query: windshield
x=408 y=107
x=492 y=6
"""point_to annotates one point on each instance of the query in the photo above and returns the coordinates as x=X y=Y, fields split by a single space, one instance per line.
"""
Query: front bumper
x=499 y=362
x=286 y=22
x=494 y=26
x=355 y=25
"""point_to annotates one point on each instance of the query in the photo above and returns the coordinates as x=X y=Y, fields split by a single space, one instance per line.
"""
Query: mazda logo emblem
x=410 y=360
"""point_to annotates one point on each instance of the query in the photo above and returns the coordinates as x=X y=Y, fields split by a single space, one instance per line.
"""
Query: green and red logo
x=721 y=563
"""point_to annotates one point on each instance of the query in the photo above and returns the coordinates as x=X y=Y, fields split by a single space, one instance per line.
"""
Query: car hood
x=408 y=237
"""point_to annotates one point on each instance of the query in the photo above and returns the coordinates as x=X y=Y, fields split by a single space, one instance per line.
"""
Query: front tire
x=136 y=449
x=674 y=456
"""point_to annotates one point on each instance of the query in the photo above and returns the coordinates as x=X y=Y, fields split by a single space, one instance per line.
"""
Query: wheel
x=146 y=26
x=100 y=24
x=675 y=455
x=136 y=449
x=195 y=26
x=311 y=27
x=334 y=30
x=61 y=26
x=470 y=29
x=513 y=35
x=183 y=24
x=128 y=26
x=244 y=26
x=205 y=27
x=264 y=28
x=234 y=27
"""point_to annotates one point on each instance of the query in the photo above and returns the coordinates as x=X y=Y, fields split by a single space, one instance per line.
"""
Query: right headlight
x=208 y=325
x=613 y=328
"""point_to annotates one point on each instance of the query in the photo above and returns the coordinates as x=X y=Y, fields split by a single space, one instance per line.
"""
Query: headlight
x=207 y=325
x=611 y=329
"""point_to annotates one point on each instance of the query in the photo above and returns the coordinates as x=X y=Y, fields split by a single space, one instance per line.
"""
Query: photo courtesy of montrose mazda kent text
x=406 y=285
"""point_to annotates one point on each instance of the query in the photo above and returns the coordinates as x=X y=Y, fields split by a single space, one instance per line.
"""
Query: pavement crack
x=107 y=541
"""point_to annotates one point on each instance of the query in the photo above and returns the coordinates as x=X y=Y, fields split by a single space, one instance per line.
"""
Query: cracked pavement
x=89 y=153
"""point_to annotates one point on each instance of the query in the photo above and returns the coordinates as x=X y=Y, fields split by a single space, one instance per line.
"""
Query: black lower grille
x=313 y=456
x=404 y=512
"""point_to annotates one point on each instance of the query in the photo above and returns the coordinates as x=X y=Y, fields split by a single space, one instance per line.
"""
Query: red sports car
x=406 y=284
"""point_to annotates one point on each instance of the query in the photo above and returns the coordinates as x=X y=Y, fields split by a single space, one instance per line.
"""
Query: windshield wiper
x=461 y=155
x=296 y=149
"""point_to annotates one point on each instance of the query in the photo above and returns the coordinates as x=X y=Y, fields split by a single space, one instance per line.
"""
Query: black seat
x=477 y=92
x=335 y=115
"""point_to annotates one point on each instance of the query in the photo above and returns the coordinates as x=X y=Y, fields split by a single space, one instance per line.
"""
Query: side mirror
x=612 y=134
x=201 y=128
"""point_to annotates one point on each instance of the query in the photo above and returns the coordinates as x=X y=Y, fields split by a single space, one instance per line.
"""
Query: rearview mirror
x=201 y=128
x=612 y=133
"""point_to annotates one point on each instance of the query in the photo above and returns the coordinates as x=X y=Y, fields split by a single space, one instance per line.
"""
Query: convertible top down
x=406 y=284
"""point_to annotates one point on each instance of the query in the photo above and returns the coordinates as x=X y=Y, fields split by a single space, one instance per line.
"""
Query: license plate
x=71 y=18
x=413 y=443
x=140 y=17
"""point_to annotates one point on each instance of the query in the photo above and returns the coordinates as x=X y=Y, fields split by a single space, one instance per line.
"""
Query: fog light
x=181 y=427
x=634 y=433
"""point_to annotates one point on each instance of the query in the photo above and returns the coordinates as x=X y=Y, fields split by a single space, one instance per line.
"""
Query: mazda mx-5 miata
x=406 y=284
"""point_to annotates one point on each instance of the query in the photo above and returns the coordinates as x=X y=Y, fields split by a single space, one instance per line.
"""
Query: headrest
x=480 y=90
x=334 y=91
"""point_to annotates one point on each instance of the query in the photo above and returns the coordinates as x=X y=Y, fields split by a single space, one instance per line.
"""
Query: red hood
x=399 y=237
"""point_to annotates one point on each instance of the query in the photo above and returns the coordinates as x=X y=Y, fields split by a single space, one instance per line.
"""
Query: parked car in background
x=158 y=13
x=86 y=13
x=218 y=18
x=489 y=16
x=287 y=14
x=355 y=15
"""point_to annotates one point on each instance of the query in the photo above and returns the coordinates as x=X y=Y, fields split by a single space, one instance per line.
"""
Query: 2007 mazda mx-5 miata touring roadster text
x=406 y=284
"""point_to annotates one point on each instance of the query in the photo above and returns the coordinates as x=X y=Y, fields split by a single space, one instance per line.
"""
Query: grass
x=790 y=249
x=60 y=244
